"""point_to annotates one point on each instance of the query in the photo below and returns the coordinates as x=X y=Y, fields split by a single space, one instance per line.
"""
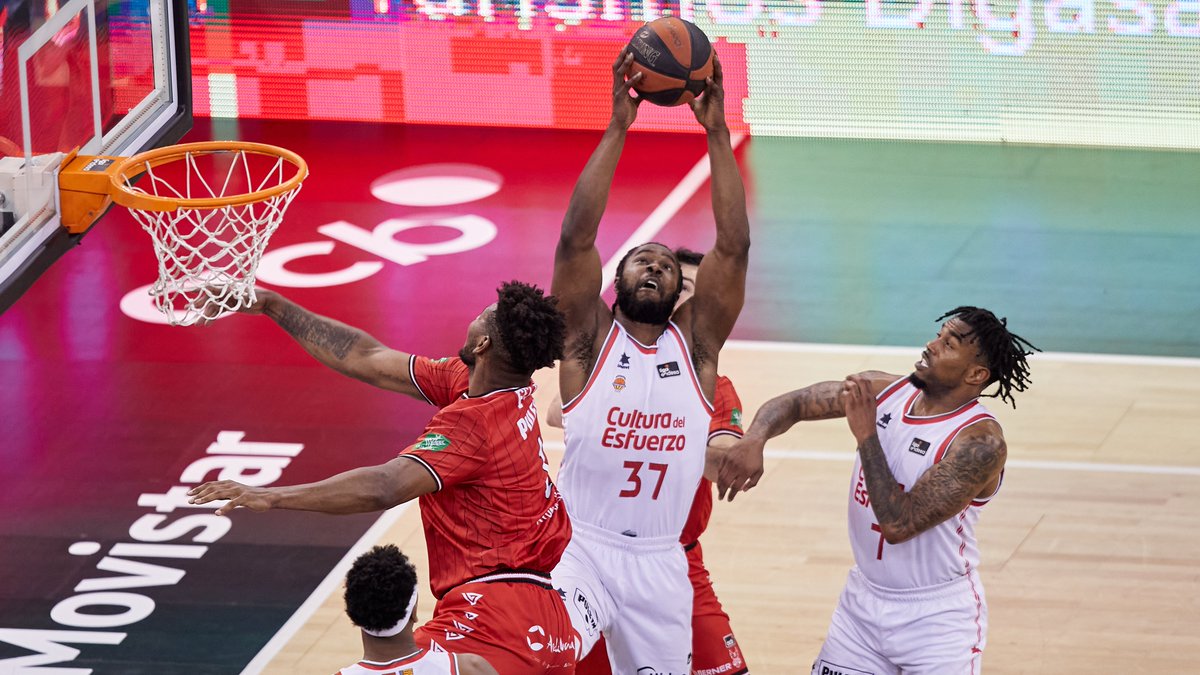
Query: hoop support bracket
x=84 y=190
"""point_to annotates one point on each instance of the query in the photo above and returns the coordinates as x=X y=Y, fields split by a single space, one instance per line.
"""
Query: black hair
x=530 y=326
x=687 y=256
x=379 y=586
x=1003 y=351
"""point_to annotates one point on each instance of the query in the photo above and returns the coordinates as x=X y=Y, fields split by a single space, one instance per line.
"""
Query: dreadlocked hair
x=378 y=588
x=1004 y=351
x=530 y=326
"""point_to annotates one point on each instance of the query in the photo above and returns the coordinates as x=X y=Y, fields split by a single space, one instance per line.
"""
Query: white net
x=208 y=257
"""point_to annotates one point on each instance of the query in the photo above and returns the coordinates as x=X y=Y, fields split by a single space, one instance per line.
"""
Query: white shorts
x=878 y=631
x=634 y=590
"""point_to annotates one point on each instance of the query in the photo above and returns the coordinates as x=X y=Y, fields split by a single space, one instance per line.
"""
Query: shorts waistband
x=621 y=541
x=512 y=576
x=943 y=589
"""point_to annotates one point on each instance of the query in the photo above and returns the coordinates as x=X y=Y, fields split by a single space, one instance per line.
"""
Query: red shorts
x=715 y=650
x=517 y=626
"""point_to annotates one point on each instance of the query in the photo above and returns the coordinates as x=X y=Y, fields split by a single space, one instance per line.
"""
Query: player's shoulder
x=881 y=381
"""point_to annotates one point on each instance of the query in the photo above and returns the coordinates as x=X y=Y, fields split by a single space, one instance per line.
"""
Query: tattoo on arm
x=309 y=329
x=942 y=491
x=821 y=401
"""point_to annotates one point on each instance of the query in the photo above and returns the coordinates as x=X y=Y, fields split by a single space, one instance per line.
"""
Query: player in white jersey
x=637 y=386
x=929 y=457
x=381 y=599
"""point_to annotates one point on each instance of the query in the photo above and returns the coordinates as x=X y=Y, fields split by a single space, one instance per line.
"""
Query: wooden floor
x=1091 y=556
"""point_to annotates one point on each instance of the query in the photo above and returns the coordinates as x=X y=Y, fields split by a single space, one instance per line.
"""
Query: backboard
x=101 y=77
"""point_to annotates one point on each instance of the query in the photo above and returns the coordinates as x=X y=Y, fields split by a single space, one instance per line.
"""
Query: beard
x=645 y=311
x=917 y=382
x=467 y=355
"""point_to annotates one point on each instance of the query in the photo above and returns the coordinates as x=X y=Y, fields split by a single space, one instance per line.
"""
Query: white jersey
x=422 y=662
x=912 y=445
x=636 y=437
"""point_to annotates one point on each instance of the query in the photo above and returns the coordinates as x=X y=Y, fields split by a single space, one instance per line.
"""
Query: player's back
x=496 y=507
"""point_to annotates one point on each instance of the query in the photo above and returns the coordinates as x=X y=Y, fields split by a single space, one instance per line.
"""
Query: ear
x=978 y=375
x=483 y=344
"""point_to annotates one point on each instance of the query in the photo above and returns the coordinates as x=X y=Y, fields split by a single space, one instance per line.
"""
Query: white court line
x=332 y=581
x=1044 y=465
x=915 y=350
x=654 y=222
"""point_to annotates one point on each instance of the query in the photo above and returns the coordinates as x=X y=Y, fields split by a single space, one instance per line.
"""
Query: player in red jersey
x=714 y=647
x=494 y=521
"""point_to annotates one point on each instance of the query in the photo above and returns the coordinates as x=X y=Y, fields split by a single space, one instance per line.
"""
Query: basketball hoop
x=210 y=209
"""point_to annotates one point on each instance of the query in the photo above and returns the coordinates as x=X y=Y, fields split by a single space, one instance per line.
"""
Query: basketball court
x=108 y=415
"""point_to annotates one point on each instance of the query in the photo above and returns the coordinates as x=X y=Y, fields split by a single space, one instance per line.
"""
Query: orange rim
x=138 y=164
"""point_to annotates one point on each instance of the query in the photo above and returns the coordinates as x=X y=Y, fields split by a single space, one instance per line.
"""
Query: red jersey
x=726 y=419
x=495 y=507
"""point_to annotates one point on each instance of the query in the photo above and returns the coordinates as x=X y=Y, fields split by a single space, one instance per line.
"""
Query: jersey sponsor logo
x=441 y=360
x=623 y=364
x=730 y=641
x=736 y=418
x=919 y=446
x=433 y=442
x=536 y=646
x=628 y=431
x=407 y=671
x=884 y=421
x=473 y=598
x=619 y=383
x=826 y=668
x=651 y=670
x=555 y=644
x=669 y=369
x=590 y=621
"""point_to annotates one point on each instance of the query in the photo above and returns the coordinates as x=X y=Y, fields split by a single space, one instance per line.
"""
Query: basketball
x=674 y=57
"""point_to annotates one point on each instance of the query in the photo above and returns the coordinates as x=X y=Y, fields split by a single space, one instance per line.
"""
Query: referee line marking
x=328 y=585
x=1036 y=464
x=658 y=218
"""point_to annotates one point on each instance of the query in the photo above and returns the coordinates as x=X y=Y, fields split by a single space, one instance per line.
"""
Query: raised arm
x=742 y=466
x=969 y=470
x=362 y=490
x=346 y=349
x=577 y=267
x=721 y=279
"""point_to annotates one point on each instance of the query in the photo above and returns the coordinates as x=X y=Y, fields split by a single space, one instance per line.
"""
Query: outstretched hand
x=709 y=107
x=253 y=498
x=741 y=468
x=625 y=105
x=212 y=310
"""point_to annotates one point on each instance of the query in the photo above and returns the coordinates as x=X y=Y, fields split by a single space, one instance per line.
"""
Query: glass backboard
x=97 y=77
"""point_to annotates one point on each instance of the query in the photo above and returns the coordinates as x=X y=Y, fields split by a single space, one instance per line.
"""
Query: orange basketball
x=674 y=57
